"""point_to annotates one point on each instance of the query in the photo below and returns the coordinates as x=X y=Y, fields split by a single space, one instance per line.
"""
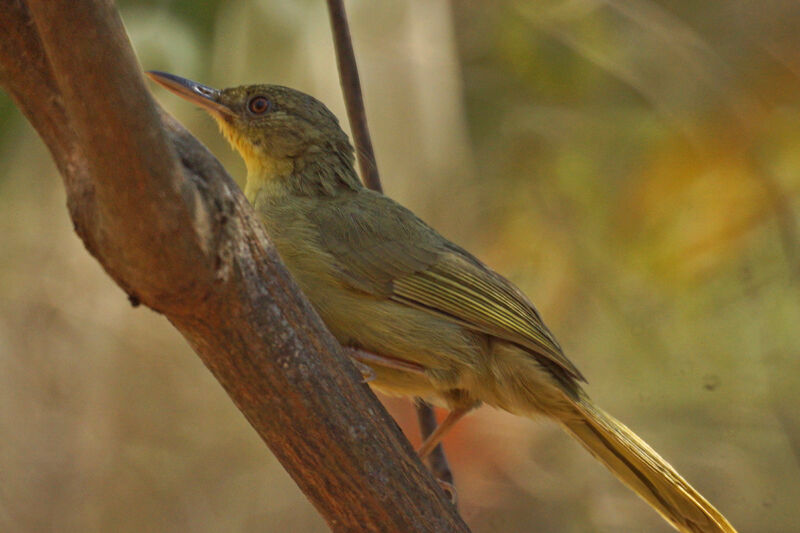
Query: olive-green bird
x=427 y=317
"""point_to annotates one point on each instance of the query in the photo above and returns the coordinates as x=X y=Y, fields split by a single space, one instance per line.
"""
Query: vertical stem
x=354 y=101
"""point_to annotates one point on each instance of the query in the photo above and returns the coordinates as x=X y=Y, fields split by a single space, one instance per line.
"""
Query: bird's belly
x=388 y=328
x=453 y=357
x=447 y=352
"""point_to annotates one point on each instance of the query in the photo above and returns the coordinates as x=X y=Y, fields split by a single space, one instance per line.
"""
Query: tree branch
x=171 y=227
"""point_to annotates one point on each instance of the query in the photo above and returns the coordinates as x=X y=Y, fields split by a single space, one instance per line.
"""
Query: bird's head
x=275 y=129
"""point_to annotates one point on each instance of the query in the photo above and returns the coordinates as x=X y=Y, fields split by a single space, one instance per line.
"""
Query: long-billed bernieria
x=427 y=317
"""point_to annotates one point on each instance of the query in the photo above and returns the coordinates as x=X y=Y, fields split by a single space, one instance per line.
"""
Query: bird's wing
x=405 y=260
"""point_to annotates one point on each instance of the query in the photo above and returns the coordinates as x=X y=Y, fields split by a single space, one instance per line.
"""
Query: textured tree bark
x=173 y=230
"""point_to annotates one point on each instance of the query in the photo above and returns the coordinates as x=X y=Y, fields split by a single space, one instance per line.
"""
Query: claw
x=367 y=374
x=449 y=489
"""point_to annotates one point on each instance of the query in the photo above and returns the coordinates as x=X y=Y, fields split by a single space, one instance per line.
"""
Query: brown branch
x=171 y=227
x=357 y=116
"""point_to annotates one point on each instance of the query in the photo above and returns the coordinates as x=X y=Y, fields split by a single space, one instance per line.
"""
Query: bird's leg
x=433 y=439
x=437 y=461
x=367 y=358
x=367 y=374
x=440 y=468
x=360 y=357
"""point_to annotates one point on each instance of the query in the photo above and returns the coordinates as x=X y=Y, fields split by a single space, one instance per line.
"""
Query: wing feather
x=407 y=261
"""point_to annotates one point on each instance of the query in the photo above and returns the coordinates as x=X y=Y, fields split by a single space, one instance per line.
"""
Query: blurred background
x=633 y=165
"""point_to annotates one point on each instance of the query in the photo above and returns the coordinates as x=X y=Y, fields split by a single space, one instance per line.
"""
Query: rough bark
x=173 y=230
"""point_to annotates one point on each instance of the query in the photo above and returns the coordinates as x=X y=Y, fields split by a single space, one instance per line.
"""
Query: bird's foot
x=450 y=490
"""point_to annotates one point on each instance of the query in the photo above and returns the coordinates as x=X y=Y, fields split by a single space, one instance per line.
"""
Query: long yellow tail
x=637 y=465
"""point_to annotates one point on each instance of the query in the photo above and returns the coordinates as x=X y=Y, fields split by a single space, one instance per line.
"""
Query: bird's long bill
x=197 y=93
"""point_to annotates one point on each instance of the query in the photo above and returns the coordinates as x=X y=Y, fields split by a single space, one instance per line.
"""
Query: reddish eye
x=258 y=105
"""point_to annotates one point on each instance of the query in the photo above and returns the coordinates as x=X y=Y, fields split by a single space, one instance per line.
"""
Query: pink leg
x=363 y=359
x=433 y=439
x=368 y=358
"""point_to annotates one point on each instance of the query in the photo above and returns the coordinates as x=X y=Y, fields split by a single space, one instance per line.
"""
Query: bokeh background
x=633 y=165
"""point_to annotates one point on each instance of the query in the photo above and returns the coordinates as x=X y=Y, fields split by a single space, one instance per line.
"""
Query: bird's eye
x=259 y=105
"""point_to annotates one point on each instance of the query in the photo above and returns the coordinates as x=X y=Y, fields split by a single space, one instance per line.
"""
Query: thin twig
x=353 y=99
x=356 y=114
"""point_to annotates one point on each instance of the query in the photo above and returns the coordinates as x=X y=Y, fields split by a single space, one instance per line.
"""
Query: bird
x=426 y=317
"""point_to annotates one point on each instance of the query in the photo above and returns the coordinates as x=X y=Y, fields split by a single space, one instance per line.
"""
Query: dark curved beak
x=202 y=95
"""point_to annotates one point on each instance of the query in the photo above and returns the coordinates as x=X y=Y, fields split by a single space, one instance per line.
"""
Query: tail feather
x=637 y=465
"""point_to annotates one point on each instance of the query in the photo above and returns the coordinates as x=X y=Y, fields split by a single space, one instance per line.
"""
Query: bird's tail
x=637 y=465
